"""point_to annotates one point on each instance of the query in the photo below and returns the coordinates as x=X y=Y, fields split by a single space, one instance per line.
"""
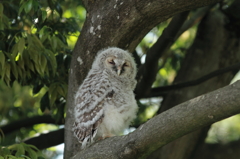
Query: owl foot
x=105 y=136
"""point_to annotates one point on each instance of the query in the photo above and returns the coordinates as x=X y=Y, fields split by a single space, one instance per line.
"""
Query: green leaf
x=31 y=66
x=52 y=60
x=20 y=150
x=7 y=70
x=14 y=69
x=21 y=63
x=31 y=153
x=20 y=72
x=22 y=1
x=38 y=68
x=21 y=45
x=44 y=15
x=5 y=151
x=2 y=59
x=15 y=50
x=60 y=91
x=21 y=8
x=1 y=9
x=43 y=62
x=53 y=93
x=29 y=39
x=60 y=112
x=37 y=42
x=54 y=43
x=1 y=17
x=34 y=56
x=28 y=6
x=44 y=103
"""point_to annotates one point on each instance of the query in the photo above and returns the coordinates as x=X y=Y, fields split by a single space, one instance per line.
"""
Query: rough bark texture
x=169 y=125
x=121 y=23
x=215 y=47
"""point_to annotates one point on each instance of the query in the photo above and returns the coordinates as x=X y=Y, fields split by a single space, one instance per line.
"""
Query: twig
x=159 y=91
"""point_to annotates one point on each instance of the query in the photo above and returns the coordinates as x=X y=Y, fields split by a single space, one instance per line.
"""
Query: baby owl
x=105 y=103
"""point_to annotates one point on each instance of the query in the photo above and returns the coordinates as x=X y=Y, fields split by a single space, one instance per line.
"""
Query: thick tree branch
x=50 y=139
x=169 y=125
x=164 y=42
x=27 y=123
x=163 y=90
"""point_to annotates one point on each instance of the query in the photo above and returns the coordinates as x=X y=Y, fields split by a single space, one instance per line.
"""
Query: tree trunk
x=215 y=47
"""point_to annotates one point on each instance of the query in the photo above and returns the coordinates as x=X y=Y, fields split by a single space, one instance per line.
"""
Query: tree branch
x=176 y=27
x=198 y=15
x=27 y=123
x=163 y=90
x=169 y=125
x=163 y=43
x=50 y=139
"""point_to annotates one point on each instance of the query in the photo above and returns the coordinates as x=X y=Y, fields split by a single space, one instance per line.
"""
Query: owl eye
x=112 y=62
x=125 y=65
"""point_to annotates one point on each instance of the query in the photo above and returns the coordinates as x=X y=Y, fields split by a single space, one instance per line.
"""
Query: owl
x=105 y=103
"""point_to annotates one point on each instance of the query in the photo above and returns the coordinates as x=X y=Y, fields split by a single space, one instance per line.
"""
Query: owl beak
x=119 y=70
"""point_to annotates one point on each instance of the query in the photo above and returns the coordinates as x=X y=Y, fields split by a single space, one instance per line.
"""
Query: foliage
x=20 y=151
x=35 y=53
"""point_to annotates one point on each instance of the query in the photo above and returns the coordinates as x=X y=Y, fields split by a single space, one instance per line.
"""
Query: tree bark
x=114 y=23
x=215 y=47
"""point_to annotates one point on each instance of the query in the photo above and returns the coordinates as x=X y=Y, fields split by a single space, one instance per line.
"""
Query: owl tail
x=84 y=135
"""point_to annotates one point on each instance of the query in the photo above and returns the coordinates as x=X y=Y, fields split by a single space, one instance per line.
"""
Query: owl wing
x=89 y=102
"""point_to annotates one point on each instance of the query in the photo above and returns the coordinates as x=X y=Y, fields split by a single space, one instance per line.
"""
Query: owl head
x=116 y=61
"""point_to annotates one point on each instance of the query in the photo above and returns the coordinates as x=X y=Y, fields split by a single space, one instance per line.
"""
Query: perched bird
x=105 y=103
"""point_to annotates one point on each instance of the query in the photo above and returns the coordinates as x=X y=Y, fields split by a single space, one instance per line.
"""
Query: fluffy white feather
x=105 y=102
